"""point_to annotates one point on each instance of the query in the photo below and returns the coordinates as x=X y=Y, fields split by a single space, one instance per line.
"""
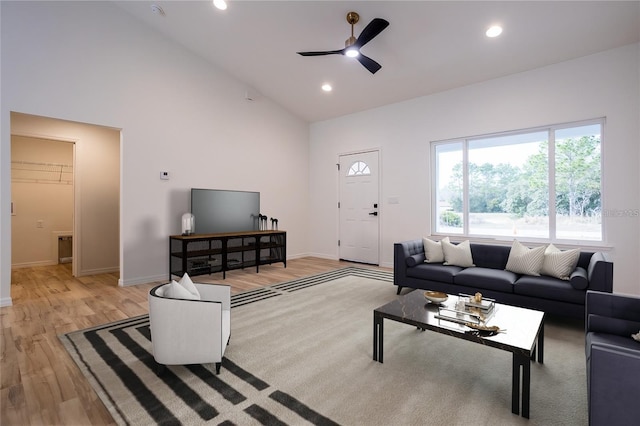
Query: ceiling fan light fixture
x=220 y=4
x=352 y=52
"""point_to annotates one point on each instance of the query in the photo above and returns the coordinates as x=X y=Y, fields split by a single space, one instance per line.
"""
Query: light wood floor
x=41 y=384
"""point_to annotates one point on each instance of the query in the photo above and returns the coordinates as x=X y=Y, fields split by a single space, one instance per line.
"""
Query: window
x=543 y=184
x=359 y=168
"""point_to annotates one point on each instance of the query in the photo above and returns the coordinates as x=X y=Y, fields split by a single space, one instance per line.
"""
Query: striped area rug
x=301 y=354
x=116 y=358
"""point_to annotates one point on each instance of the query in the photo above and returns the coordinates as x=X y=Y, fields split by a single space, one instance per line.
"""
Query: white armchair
x=190 y=331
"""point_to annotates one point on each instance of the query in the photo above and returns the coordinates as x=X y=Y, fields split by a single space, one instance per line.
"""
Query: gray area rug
x=301 y=353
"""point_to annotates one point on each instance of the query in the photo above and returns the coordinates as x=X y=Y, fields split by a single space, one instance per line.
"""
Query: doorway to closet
x=83 y=187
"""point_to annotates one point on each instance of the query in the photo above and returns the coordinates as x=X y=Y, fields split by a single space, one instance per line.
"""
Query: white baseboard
x=298 y=256
x=330 y=257
x=143 y=280
x=321 y=256
x=98 y=271
x=6 y=301
x=33 y=264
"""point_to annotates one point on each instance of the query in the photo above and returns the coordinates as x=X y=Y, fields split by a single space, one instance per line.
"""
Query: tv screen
x=217 y=210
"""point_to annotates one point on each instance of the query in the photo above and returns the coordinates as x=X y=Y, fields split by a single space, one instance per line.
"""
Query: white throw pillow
x=186 y=282
x=526 y=261
x=433 y=251
x=558 y=263
x=458 y=255
x=177 y=291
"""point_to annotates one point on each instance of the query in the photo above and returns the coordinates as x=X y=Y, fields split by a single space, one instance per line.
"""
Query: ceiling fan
x=353 y=45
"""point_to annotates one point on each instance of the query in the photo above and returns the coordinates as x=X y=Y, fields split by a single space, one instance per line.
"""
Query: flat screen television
x=217 y=210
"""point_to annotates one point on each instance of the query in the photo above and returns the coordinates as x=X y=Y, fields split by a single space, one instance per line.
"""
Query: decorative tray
x=485 y=304
x=460 y=317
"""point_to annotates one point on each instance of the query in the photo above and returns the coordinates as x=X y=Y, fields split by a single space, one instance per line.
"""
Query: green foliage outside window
x=523 y=191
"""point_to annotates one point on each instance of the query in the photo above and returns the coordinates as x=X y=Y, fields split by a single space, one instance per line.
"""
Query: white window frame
x=358 y=168
x=551 y=129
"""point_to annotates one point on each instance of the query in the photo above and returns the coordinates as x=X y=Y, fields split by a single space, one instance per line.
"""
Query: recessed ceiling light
x=220 y=4
x=494 y=31
x=327 y=87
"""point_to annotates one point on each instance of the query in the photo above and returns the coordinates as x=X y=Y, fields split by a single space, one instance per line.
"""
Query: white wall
x=602 y=85
x=90 y=62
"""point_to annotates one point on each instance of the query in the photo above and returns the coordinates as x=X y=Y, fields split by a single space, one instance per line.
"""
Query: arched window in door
x=359 y=168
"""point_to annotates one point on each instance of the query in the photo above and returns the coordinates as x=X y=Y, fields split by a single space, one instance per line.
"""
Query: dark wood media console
x=202 y=254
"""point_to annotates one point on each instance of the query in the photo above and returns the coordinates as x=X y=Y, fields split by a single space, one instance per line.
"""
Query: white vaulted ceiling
x=427 y=48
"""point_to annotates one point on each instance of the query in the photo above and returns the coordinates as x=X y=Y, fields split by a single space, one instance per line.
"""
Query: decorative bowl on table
x=435 y=296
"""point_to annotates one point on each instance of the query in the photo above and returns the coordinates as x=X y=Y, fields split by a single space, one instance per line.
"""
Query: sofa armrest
x=215 y=293
x=613 y=385
x=401 y=252
x=600 y=272
x=612 y=313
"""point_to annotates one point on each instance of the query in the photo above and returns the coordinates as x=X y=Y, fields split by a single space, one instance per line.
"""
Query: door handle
x=373 y=214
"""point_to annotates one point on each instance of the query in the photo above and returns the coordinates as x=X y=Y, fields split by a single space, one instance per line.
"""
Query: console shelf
x=202 y=254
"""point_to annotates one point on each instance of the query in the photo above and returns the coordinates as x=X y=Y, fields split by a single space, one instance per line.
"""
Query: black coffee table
x=525 y=334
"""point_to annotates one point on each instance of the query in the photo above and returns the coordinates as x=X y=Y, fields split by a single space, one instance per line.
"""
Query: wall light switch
x=40 y=223
x=164 y=175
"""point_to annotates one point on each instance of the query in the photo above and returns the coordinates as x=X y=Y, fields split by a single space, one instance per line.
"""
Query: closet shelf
x=34 y=172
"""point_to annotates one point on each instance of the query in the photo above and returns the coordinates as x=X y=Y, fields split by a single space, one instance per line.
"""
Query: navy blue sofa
x=489 y=277
x=613 y=359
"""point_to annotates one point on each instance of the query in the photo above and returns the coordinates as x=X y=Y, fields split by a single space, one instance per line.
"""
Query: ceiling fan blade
x=374 y=28
x=327 y=52
x=368 y=63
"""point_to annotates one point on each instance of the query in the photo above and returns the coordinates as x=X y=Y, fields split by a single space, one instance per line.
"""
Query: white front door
x=359 y=207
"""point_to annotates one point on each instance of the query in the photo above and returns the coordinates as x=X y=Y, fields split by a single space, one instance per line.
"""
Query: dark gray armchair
x=613 y=358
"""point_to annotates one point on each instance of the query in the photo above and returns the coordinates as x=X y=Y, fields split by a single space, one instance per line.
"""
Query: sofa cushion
x=606 y=339
x=434 y=272
x=610 y=325
x=559 y=264
x=414 y=260
x=433 y=251
x=457 y=254
x=490 y=279
x=176 y=290
x=579 y=279
x=186 y=282
x=523 y=260
x=548 y=288
x=490 y=255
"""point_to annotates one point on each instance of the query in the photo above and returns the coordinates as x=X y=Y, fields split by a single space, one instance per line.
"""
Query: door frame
x=378 y=150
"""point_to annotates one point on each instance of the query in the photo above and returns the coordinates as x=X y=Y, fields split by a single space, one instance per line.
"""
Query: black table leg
x=524 y=362
x=377 y=337
x=541 y=343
